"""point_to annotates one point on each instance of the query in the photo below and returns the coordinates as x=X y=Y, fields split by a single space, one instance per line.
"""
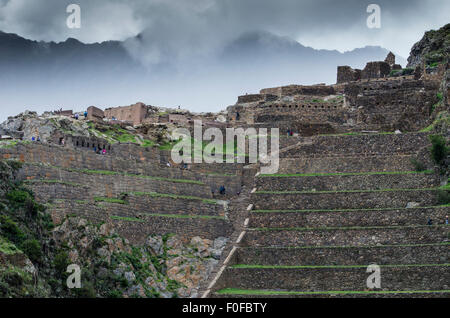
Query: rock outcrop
x=434 y=47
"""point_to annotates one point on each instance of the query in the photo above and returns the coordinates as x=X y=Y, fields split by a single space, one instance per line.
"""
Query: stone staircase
x=314 y=233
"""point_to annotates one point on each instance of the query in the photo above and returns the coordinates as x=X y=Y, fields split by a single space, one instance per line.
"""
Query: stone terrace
x=130 y=188
x=313 y=230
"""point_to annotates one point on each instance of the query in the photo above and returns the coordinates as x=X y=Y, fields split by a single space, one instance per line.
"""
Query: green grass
x=348 y=228
x=345 y=191
x=443 y=118
x=445 y=187
x=234 y=291
x=255 y=266
x=7 y=144
x=8 y=248
x=110 y=200
x=174 y=196
x=54 y=182
x=147 y=143
x=128 y=219
x=345 y=174
x=346 y=210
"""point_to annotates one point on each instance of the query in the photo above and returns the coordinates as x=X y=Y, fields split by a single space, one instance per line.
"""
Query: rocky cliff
x=433 y=48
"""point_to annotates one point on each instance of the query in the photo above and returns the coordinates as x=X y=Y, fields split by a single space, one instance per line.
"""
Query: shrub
x=33 y=249
x=61 y=262
x=443 y=197
x=86 y=291
x=13 y=278
x=11 y=230
x=439 y=149
x=418 y=165
x=114 y=294
x=18 y=196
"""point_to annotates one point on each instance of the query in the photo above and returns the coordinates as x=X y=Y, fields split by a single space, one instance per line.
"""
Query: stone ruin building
x=361 y=100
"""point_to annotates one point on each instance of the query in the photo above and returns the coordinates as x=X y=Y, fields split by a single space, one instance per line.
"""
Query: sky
x=185 y=38
x=198 y=26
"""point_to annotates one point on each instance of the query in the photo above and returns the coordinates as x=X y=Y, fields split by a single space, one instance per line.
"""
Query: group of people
x=183 y=166
x=430 y=221
x=99 y=151
x=85 y=115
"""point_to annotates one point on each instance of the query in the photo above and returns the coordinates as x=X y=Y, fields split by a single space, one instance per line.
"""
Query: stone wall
x=348 y=164
x=399 y=217
x=95 y=114
x=137 y=226
x=348 y=182
x=362 y=145
x=347 y=237
x=344 y=255
x=112 y=185
x=134 y=113
x=347 y=74
x=375 y=70
x=343 y=200
x=350 y=279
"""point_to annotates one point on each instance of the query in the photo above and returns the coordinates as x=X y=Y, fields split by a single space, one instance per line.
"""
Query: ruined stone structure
x=134 y=114
x=373 y=70
x=362 y=100
x=390 y=59
x=95 y=114
x=67 y=113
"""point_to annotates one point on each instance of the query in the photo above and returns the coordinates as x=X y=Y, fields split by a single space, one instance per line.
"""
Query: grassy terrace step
x=161 y=204
x=350 y=199
x=343 y=182
x=345 y=255
x=348 y=164
x=172 y=216
x=232 y=292
x=54 y=181
x=112 y=182
x=346 y=218
x=403 y=277
x=345 y=236
x=332 y=174
x=346 y=191
x=364 y=144
x=137 y=229
x=175 y=196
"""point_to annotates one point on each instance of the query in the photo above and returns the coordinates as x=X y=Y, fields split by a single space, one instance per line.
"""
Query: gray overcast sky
x=201 y=25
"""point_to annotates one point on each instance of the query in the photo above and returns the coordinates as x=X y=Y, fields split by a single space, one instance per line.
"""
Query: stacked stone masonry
x=339 y=204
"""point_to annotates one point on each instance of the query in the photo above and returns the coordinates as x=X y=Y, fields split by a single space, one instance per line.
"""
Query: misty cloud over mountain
x=73 y=75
